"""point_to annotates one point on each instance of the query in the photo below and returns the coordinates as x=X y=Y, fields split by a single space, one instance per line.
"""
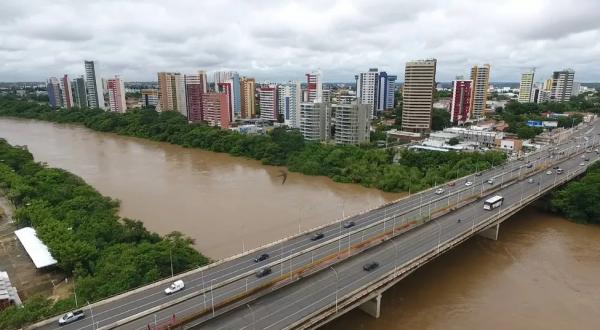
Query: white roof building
x=37 y=250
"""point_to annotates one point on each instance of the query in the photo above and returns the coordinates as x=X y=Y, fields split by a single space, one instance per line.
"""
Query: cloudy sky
x=281 y=40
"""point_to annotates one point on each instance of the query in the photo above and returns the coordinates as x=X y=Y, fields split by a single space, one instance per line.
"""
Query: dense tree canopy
x=578 y=200
x=85 y=235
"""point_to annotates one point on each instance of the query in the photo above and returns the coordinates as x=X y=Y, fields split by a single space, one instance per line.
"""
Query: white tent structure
x=37 y=250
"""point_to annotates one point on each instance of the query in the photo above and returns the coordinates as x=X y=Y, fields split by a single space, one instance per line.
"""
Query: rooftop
x=37 y=250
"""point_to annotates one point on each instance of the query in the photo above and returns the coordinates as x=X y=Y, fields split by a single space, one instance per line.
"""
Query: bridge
x=314 y=281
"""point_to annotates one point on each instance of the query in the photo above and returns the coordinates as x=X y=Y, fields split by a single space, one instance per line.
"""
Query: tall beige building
x=171 y=92
x=419 y=84
x=526 y=87
x=481 y=85
x=547 y=85
x=248 y=102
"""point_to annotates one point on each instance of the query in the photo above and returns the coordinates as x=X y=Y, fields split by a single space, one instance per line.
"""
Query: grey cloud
x=282 y=40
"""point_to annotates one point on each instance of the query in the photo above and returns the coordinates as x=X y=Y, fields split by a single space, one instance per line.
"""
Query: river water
x=543 y=273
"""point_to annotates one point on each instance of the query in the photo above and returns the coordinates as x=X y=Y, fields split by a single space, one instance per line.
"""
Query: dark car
x=555 y=167
x=478 y=174
x=317 y=236
x=529 y=165
x=261 y=257
x=370 y=266
x=71 y=317
x=349 y=224
x=263 y=272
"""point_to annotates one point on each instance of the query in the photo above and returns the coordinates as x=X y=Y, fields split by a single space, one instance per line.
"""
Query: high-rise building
x=314 y=87
x=576 y=88
x=227 y=88
x=116 y=94
x=79 y=95
x=66 y=92
x=232 y=78
x=216 y=109
x=93 y=85
x=460 y=108
x=247 y=97
x=526 y=87
x=290 y=96
x=391 y=91
x=267 y=98
x=171 y=92
x=366 y=88
x=562 y=85
x=417 y=92
x=54 y=92
x=480 y=75
x=314 y=121
x=149 y=97
x=547 y=85
x=352 y=123
x=195 y=86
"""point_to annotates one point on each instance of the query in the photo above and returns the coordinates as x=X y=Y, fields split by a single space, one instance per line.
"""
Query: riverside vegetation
x=578 y=200
x=365 y=165
x=106 y=254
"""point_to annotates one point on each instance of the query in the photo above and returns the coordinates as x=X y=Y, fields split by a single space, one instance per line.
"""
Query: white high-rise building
x=526 y=87
x=352 y=123
x=290 y=96
x=314 y=87
x=366 y=88
x=562 y=85
x=93 y=86
x=314 y=121
x=267 y=99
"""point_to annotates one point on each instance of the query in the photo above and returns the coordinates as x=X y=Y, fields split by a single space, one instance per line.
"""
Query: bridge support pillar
x=491 y=233
x=372 y=307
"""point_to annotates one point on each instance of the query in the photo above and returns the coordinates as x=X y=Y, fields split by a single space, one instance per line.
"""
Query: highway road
x=279 y=309
x=210 y=278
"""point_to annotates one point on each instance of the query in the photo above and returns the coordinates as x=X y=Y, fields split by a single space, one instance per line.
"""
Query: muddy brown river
x=543 y=273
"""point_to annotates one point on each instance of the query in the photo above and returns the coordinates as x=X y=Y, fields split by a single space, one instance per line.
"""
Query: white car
x=439 y=191
x=71 y=317
x=548 y=172
x=490 y=181
x=468 y=183
x=581 y=164
x=176 y=286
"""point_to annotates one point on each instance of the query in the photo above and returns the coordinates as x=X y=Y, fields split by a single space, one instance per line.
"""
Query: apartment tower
x=314 y=87
x=93 y=85
x=247 y=97
x=352 y=123
x=67 y=92
x=366 y=88
x=289 y=97
x=562 y=85
x=195 y=86
x=171 y=90
x=419 y=84
x=116 y=94
x=267 y=98
x=526 y=87
x=460 y=108
x=79 y=96
x=480 y=75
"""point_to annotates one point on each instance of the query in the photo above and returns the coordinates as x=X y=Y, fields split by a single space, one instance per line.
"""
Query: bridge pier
x=491 y=233
x=372 y=307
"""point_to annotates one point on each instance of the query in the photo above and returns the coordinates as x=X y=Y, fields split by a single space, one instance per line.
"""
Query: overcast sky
x=281 y=40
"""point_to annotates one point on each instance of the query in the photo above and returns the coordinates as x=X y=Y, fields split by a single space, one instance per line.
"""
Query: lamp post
x=337 y=285
x=92 y=313
x=253 y=316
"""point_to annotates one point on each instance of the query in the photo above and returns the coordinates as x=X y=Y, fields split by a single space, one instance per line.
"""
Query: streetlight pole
x=171 y=259
x=75 y=291
x=92 y=313
x=253 y=316
x=337 y=285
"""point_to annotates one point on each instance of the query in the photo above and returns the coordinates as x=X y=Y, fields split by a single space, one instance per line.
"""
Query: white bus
x=493 y=202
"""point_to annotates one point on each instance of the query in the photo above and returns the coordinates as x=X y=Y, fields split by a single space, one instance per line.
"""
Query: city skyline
x=282 y=41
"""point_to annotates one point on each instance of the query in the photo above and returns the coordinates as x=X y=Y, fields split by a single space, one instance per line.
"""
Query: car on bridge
x=71 y=317
x=490 y=181
x=439 y=191
x=548 y=172
x=263 y=272
x=530 y=180
x=175 y=287
x=317 y=236
x=468 y=183
x=261 y=257
x=529 y=165
x=349 y=224
x=371 y=266
x=581 y=164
